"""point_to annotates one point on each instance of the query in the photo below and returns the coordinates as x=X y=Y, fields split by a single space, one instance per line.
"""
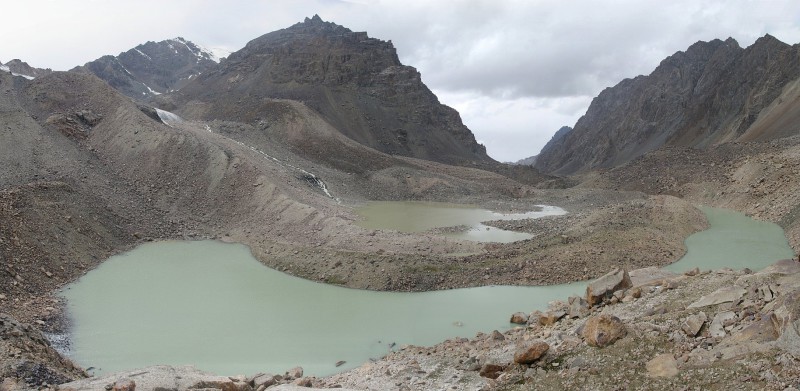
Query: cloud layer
x=516 y=70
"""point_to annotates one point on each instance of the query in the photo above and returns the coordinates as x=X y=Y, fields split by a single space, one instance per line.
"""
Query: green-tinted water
x=411 y=216
x=735 y=241
x=212 y=305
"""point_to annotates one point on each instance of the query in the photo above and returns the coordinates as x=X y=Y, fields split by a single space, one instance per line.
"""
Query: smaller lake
x=413 y=216
x=735 y=241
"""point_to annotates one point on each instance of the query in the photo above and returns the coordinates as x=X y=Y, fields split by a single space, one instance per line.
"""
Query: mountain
x=528 y=161
x=20 y=68
x=356 y=83
x=153 y=68
x=715 y=92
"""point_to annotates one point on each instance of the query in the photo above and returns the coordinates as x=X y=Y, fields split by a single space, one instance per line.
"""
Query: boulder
x=722 y=295
x=693 y=323
x=519 y=318
x=295 y=373
x=603 y=330
x=650 y=276
x=265 y=380
x=533 y=318
x=551 y=317
x=529 y=352
x=663 y=365
x=578 y=307
x=605 y=286
x=498 y=336
x=717 y=327
x=491 y=371
x=124 y=385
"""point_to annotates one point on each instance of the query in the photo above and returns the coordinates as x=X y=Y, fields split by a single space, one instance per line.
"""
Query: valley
x=275 y=148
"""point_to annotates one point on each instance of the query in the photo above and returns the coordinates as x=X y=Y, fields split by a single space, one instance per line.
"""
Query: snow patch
x=140 y=52
x=5 y=68
x=167 y=117
x=150 y=89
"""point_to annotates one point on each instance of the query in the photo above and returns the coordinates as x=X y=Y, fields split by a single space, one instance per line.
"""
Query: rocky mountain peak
x=356 y=82
x=710 y=94
x=22 y=68
x=153 y=68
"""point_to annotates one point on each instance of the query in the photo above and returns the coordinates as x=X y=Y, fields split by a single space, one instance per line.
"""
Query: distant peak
x=314 y=19
x=767 y=38
x=732 y=42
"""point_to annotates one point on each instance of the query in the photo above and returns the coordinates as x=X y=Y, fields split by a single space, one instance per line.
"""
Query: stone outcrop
x=27 y=361
x=714 y=92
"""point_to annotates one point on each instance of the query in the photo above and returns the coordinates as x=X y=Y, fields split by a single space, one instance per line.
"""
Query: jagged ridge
x=712 y=93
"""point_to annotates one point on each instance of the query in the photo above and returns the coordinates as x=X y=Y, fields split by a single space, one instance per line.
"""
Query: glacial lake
x=212 y=305
x=415 y=216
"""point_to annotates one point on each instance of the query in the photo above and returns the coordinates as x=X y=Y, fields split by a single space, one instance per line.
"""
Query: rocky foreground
x=647 y=329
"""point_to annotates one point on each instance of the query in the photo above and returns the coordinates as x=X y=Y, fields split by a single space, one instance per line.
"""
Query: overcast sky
x=516 y=70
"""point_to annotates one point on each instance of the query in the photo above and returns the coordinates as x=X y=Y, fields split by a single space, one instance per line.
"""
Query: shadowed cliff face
x=356 y=83
x=710 y=94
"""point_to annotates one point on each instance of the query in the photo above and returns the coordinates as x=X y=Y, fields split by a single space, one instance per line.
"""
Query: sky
x=516 y=70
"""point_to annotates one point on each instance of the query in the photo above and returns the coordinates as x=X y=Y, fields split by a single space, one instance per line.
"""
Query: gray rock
x=498 y=336
x=663 y=365
x=692 y=325
x=650 y=276
x=578 y=307
x=721 y=295
x=519 y=318
x=766 y=293
x=787 y=317
x=605 y=286
x=264 y=380
x=295 y=373
x=717 y=327
x=160 y=376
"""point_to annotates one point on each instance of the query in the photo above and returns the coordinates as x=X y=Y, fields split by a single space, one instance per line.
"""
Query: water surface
x=414 y=216
x=735 y=241
x=213 y=305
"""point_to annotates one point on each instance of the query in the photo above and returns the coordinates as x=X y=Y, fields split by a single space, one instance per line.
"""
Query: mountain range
x=713 y=93
x=273 y=145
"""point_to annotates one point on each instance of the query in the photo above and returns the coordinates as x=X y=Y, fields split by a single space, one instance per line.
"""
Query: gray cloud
x=517 y=70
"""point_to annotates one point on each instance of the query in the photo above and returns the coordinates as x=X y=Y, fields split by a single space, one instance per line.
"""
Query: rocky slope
x=714 y=92
x=356 y=83
x=152 y=68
